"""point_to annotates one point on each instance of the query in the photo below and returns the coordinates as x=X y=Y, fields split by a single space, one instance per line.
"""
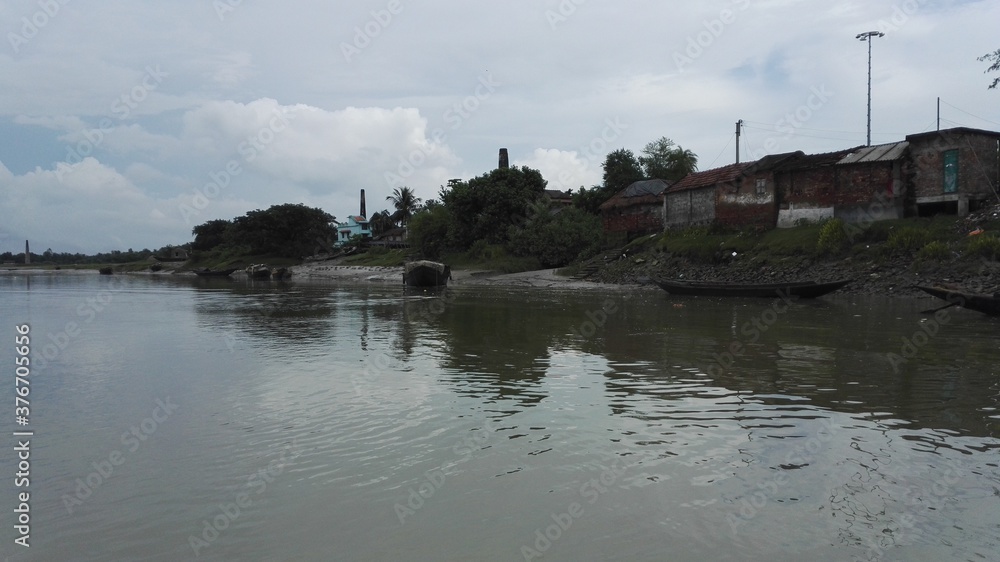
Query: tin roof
x=639 y=192
x=877 y=153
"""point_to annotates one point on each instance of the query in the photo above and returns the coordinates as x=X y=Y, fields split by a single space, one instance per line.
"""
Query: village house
x=356 y=225
x=954 y=170
x=560 y=198
x=738 y=195
x=857 y=185
x=635 y=210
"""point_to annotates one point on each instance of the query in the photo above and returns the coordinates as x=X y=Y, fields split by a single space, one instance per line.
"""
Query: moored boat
x=793 y=289
x=214 y=272
x=258 y=271
x=957 y=296
x=281 y=273
x=425 y=273
x=106 y=270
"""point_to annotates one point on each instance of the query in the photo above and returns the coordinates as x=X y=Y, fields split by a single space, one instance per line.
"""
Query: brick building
x=954 y=170
x=635 y=210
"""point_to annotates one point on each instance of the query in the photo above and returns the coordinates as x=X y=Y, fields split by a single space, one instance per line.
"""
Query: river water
x=176 y=419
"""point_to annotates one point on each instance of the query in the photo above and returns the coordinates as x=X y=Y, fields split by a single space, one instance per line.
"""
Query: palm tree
x=406 y=204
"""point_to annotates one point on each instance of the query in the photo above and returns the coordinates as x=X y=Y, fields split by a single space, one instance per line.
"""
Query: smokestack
x=27 y=253
x=504 y=163
x=363 y=212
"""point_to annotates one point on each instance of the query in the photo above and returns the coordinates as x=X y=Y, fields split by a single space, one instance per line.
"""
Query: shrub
x=984 y=246
x=937 y=251
x=832 y=238
x=908 y=239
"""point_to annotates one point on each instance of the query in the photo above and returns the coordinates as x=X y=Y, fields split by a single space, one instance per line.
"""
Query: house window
x=761 y=187
x=950 y=165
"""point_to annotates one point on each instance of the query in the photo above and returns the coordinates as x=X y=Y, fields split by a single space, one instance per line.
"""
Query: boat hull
x=426 y=274
x=801 y=289
x=987 y=304
x=214 y=273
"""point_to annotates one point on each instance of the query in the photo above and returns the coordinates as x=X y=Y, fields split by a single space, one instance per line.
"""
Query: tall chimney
x=363 y=213
x=27 y=253
x=504 y=163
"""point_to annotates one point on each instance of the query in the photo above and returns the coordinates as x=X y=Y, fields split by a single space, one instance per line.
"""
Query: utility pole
x=867 y=36
x=738 y=125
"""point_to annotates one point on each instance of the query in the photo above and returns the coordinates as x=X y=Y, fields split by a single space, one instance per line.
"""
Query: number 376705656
x=22 y=371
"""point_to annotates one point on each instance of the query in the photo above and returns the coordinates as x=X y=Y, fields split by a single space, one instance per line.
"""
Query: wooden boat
x=106 y=271
x=980 y=302
x=214 y=272
x=281 y=273
x=258 y=271
x=424 y=273
x=793 y=289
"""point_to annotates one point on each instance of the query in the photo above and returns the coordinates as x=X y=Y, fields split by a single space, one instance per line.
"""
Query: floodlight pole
x=867 y=36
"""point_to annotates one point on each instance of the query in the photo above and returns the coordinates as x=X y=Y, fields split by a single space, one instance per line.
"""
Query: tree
x=665 y=160
x=406 y=204
x=556 y=238
x=486 y=206
x=381 y=222
x=291 y=230
x=210 y=234
x=621 y=169
x=995 y=57
x=428 y=231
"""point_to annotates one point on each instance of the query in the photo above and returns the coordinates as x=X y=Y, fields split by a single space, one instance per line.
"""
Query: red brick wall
x=829 y=186
x=977 y=164
x=637 y=218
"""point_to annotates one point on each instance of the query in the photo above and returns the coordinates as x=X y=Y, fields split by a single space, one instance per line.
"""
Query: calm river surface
x=177 y=419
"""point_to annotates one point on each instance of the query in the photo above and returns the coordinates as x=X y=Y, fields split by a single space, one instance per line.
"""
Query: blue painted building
x=356 y=225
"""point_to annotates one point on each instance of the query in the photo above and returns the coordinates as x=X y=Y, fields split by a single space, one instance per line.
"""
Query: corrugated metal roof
x=642 y=192
x=877 y=153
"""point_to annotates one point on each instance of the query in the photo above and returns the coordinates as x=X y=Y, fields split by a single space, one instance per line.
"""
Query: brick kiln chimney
x=363 y=213
x=27 y=253
x=504 y=163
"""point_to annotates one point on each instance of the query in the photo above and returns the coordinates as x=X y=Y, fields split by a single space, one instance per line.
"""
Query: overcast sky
x=125 y=124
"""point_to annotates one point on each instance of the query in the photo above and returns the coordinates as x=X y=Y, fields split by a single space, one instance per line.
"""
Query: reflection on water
x=383 y=423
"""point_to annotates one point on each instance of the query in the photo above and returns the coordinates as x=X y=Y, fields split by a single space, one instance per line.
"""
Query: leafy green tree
x=381 y=222
x=428 y=231
x=291 y=230
x=621 y=169
x=665 y=160
x=995 y=58
x=210 y=234
x=486 y=206
x=405 y=202
x=590 y=200
x=556 y=238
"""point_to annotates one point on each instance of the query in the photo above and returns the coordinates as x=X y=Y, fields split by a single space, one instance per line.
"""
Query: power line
x=969 y=114
x=723 y=150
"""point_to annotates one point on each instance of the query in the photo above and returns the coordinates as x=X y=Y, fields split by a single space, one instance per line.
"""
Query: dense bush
x=558 y=238
x=984 y=246
x=428 y=231
x=908 y=239
x=936 y=250
x=833 y=238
